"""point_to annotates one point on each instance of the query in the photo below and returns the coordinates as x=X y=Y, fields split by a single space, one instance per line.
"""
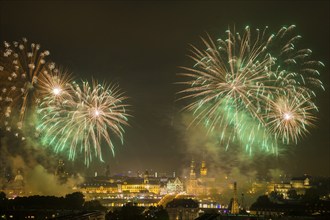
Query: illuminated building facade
x=97 y=189
x=136 y=185
x=201 y=185
x=299 y=184
x=139 y=185
x=114 y=192
x=174 y=186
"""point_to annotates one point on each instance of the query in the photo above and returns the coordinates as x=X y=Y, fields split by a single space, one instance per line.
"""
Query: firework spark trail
x=90 y=115
x=22 y=65
x=233 y=85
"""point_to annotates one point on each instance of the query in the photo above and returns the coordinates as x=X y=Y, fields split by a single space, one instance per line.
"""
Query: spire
x=234 y=205
x=192 y=170
x=107 y=171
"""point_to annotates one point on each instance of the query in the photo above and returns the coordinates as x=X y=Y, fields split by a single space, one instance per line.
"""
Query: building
x=182 y=209
x=303 y=210
x=98 y=189
x=15 y=187
x=201 y=185
x=299 y=184
x=174 y=186
x=140 y=185
x=118 y=190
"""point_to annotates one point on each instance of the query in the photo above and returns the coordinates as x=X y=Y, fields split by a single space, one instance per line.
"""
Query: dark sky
x=141 y=45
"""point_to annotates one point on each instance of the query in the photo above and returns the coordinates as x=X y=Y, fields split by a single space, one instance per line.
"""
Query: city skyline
x=141 y=46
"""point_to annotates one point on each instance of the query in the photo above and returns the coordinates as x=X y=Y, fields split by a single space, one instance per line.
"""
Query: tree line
x=73 y=201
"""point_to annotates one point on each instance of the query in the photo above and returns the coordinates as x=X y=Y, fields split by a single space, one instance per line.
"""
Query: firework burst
x=90 y=115
x=235 y=80
x=55 y=85
x=289 y=116
x=21 y=65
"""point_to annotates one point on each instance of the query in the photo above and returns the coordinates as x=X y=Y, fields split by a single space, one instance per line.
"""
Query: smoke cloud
x=251 y=172
x=37 y=166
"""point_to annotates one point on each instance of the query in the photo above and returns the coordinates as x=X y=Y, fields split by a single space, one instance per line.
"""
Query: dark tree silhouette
x=113 y=215
x=262 y=201
x=275 y=197
x=75 y=200
x=156 y=213
x=2 y=196
x=94 y=205
x=311 y=196
x=127 y=212
x=292 y=194
x=3 y=201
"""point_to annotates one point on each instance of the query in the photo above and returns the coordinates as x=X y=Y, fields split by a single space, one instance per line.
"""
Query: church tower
x=203 y=169
x=234 y=205
x=192 y=170
x=60 y=172
x=18 y=184
x=192 y=181
x=146 y=177
x=60 y=168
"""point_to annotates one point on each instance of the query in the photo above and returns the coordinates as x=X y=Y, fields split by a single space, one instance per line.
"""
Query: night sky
x=141 y=46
